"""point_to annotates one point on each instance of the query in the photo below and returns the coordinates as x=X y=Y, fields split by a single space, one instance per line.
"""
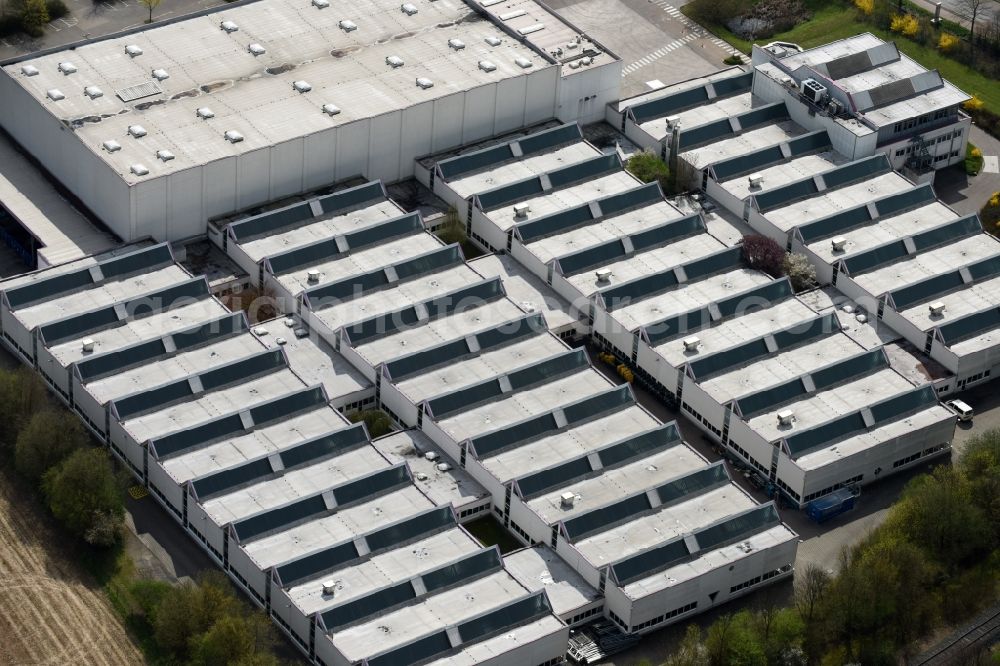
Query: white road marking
x=991 y=164
x=656 y=55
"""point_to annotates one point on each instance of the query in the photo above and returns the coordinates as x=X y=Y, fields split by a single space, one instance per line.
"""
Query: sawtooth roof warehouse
x=356 y=548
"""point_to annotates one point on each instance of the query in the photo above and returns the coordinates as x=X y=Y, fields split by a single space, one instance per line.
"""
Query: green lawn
x=835 y=19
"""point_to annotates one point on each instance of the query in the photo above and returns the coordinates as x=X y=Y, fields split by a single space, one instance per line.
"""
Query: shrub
x=866 y=7
x=34 y=16
x=733 y=60
x=905 y=24
x=798 y=269
x=83 y=493
x=56 y=8
x=377 y=421
x=648 y=168
x=947 y=42
x=973 y=104
x=763 y=254
x=47 y=439
x=9 y=25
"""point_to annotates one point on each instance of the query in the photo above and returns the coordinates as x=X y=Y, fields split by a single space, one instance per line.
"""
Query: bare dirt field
x=49 y=612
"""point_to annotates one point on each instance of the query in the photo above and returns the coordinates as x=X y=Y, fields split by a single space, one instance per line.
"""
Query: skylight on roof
x=348 y=26
x=29 y=70
x=456 y=44
x=232 y=136
x=111 y=146
x=139 y=169
x=408 y=8
x=320 y=4
x=256 y=49
x=331 y=109
x=394 y=61
x=522 y=62
x=133 y=50
x=93 y=92
x=493 y=41
x=164 y=155
x=229 y=26
x=67 y=67
x=487 y=66
x=137 y=131
x=160 y=74
x=424 y=82
x=205 y=113
x=302 y=86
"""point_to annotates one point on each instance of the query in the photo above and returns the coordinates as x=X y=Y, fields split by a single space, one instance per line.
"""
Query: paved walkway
x=967 y=194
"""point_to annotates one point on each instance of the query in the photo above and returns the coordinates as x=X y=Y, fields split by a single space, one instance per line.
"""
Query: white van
x=962 y=409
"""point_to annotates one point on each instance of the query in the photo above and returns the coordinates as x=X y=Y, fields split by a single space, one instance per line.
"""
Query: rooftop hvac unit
x=603 y=275
x=93 y=92
x=937 y=309
x=431 y=455
x=408 y=8
x=313 y=276
x=456 y=44
x=67 y=67
x=838 y=244
x=673 y=121
x=834 y=108
x=88 y=346
x=785 y=417
x=256 y=49
x=813 y=90
x=756 y=180
x=329 y=587
x=331 y=109
x=133 y=50
x=691 y=343
x=424 y=83
x=302 y=86
x=320 y=4
x=229 y=26
x=443 y=467
x=521 y=209
x=348 y=26
x=567 y=500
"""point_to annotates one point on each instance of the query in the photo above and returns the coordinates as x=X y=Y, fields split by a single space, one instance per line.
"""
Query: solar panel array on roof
x=329 y=249
x=284 y=219
x=568 y=362
x=890 y=92
x=387 y=324
x=851 y=218
x=658 y=236
x=966 y=327
x=309 y=508
x=231 y=425
x=565 y=220
x=520 y=433
x=848 y=65
x=163 y=300
x=160 y=397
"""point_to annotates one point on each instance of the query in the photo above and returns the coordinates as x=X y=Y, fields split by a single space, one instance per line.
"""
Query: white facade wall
x=701 y=402
x=18 y=337
x=724 y=197
x=606 y=325
x=395 y=401
x=87 y=406
x=584 y=93
x=282 y=608
x=161 y=482
x=483 y=227
x=524 y=257
x=539 y=651
x=650 y=361
x=328 y=654
x=240 y=563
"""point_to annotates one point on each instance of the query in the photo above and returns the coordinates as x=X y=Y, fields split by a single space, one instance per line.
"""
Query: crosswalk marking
x=694 y=31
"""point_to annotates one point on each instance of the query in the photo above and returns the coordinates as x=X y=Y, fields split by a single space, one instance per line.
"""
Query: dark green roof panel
x=272 y=222
x=418 y=527
x=484 y=562
x=280 y=519
x=970 y=326
x=363 y=607
x=857 y=171
x=506 y=194
x=754 y=521
x=340 y=203
x=641 y=445
x=420 y=650
x=904 y=404
x=695 y=483
x=586 y=170
x=540 y=142
x=665 y=106
x=475 y=161
x=603 y=518
x=311 y=566
x=733 y=84
x=227 y=480
x=554 y=477
x=875 y=257
x=948 y=233
x=771 y=397
x=505 y=618
x=825 y=434
x=707 y=133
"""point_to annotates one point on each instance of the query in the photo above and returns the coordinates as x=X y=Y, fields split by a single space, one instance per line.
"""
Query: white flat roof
x=606 y=229
x=321 y=228
x=211 y=405
x=520 y=169
x=928 y=264
x=313 y=359
x=713 y=110
x=294 y=485
x=485 y=365
x=972 y=298
x=526 y=289
x=885 y=230
x=680 y=86
x=455 y=487
x=781 y=367
x=539 y=568
x=63 y=233
x=138 y=330
x=735 y=146
x=833 y=201
x=102 y=295
x=616 y=484
x=784 y=173
x=336 y=527
x=687 y=297
x=492 y=649
x=261 y=441
x=651 y=262
x=254 y=95
x=559 y=200
x=524 y=404
x=383 y=570
x=569 y=444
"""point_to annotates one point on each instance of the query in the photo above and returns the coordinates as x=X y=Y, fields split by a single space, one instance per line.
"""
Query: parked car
x=963 y=410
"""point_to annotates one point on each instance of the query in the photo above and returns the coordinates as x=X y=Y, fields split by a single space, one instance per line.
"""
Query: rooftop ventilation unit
x=205 y=113
x=348 y=26
x=320 y=4
x=313 y=276
x=93 y=92
x=424 y=83
x=88 y=346
x=567 y=500
x=523 y=63
x=521 y=209
x=673 y=121
x=493 y=41
x=785 y=417
x=691 y=343
x=138 y=131
x=456 y=44
x=586 y=60
x=443 y=467
x=232 y=136
x=67 y=67
x=280 y=340
x=813 y=90
x=139 y=169
x=111 y=146
x=133 y=50
x=394 y=61
x=256 y=49
x=861 y=318
x=408 y=8
x=603 y=275
x=838 y=244
x=329 y=587
x=431 y=455
x=331 y=109
x=834 y=108
x=487 y=66
x=229 y=26
x=756 y=180
x=937 y=309
x=29 y=70
x=164 y=155
x=302 y=86
x=160 y=74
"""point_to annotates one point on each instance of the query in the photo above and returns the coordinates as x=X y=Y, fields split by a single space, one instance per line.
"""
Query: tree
x=83 y=491
x=799 y=271
x=811 y=584
x=150 y=5
x=34 y=16
x=649 y=168
x=377 y=421
x=188 y=610
x=691 y=651
x=21 y=395
x=233 y=638
x=763 y=254
x=970 y=11
x=452 y=230
x=46 y=440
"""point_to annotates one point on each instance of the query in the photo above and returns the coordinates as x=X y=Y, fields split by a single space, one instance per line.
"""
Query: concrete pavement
x=967 y=194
